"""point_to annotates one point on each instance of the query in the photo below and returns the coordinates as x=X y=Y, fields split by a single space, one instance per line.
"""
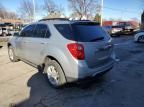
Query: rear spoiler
x=84 y=22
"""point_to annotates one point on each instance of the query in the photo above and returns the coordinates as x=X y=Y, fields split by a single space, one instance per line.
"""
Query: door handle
x=27 y=42
x=43 y=43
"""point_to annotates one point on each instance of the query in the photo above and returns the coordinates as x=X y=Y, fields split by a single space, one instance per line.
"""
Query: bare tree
x=84 y=8
x=27 y=9
x=5 y=14
x=12 y=15
x=2 y=11
x=52 y=9
x=50 y=6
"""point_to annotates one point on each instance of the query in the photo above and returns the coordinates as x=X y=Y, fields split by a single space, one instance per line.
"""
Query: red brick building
x=113 y=23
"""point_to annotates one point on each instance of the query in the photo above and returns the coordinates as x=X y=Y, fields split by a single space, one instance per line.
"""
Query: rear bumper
x=85 y=72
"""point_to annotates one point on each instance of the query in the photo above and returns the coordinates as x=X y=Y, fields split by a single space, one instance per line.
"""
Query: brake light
x=76 y=50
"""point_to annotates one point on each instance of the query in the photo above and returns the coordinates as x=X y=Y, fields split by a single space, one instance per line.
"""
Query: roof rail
x=63 y=19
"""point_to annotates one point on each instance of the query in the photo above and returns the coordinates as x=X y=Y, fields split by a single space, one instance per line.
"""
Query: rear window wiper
x=97 y=39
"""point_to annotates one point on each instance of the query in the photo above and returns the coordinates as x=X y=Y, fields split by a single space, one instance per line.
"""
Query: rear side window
x=41 y=31
x=82 y=32
x=65 y=30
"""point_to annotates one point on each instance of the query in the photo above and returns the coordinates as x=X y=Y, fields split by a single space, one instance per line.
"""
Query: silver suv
x=65 y=50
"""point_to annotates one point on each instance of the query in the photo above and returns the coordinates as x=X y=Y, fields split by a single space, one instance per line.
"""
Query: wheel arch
x=53 y=58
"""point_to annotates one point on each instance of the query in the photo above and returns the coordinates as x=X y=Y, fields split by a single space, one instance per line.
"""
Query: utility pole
x=101 y=20
x=142 y=21
x=33 y=10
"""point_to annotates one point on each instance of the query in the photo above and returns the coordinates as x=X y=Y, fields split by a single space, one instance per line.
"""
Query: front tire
x=54 y=73
x=11 y=54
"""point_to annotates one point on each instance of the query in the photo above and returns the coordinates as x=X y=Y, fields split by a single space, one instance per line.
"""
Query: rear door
x=24 y=40
x=95 y=41
x=35 y=45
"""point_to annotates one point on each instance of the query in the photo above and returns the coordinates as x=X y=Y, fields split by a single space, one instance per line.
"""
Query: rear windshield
x=81 y=32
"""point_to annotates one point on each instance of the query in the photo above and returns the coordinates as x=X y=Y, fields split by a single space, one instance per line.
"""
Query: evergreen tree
x=97 y=18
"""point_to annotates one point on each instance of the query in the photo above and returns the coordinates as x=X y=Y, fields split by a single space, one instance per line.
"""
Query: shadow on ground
x=121 y=87
x=43 y=95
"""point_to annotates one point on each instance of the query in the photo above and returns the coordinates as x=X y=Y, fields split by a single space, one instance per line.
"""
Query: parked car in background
x=65 y=50
x=6 y=32
x=126 y=27
x=113 y=30
x=3 y=32
x=116 y=31
x=122 y=27
x=108 y=29
x=10 y=32
x=139 y=36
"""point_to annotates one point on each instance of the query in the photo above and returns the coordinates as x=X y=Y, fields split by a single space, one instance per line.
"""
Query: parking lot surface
x=23 y=86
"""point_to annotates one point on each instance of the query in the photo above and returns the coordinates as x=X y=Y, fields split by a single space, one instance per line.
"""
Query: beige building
x=13 y=21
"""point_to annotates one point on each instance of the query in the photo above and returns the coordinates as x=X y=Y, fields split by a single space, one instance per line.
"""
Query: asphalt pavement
x=23 y=86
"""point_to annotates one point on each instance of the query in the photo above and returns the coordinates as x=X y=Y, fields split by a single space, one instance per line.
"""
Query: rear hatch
x=94 y=39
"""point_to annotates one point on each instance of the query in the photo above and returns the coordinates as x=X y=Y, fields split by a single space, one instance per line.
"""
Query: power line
x=123 y=11
x=101 y=19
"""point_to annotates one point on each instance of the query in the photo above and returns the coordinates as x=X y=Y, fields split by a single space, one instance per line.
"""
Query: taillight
x=77 y=50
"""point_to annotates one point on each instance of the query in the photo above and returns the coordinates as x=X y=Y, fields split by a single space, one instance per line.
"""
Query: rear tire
x=54 y=73
x=11 y=54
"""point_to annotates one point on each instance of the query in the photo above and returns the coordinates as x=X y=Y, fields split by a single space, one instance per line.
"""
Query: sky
x=113 y=9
